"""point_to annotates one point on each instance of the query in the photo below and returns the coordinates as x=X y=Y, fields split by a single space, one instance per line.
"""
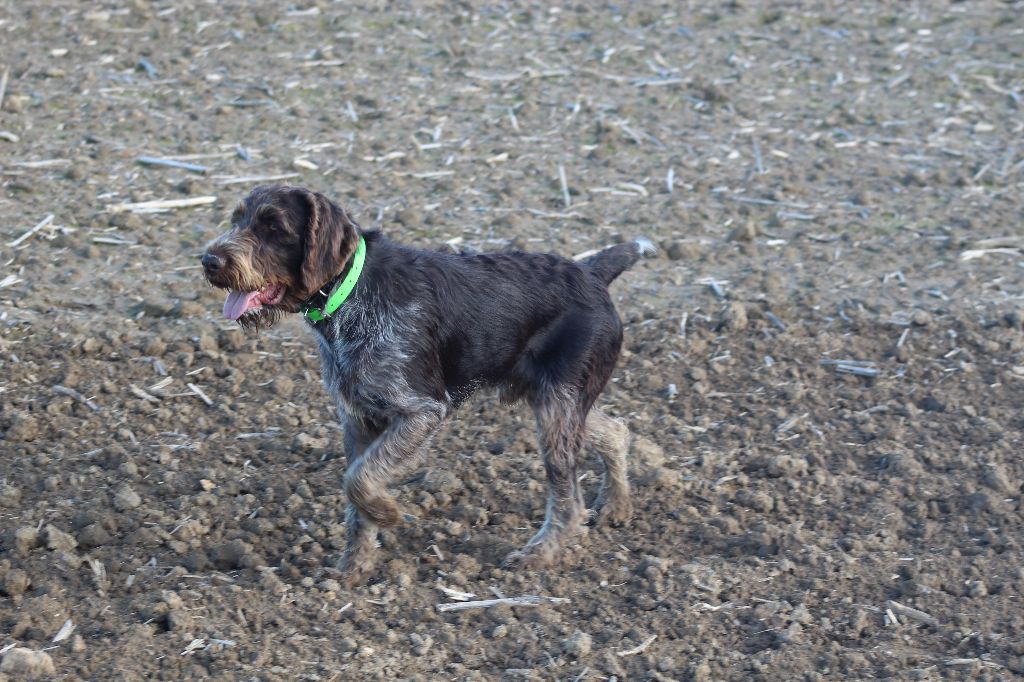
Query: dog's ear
x=330 y=240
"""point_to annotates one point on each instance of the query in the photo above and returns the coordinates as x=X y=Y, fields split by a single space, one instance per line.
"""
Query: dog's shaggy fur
x=420 y=332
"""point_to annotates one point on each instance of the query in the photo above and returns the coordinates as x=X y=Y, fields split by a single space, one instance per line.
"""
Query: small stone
x=232 y=555
x=977 y=588
x=666 y=664
x=787 y=465
x=680 y=250
x=15 y=103
x=93 y=535
x=59 y=541
x=747 y=232
x=16 y=582
x=700 y=672
x=757 y=500
x=578 y=645
x=207 y=342
x=995 y=477
x=126 y=220
x=189 y=186
x=921 y=318
x=10 y=496
x=23 y=428
x=306 y=442
x=1015 y=318
x=172 y=599
x=440 y=481
x=421 y=643
x=25 y=539
x=179 y=621
x=231 y=339
x=271 y=583
x=27 y=664
x=931 y=404
x=792 y=634
x=734 y=317
x=283 y=386
x=126 y=499
x=77 y=644
x=329 y=585
x=409 y=217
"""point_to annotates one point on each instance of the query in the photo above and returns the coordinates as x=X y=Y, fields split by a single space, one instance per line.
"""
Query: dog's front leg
x=368 y=473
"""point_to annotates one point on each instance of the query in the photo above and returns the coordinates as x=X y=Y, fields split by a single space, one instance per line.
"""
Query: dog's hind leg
x=370 y=506
x=560 y=425
x=610 y=438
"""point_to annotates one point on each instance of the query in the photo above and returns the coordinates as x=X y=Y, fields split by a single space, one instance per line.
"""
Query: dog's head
x=284 y=245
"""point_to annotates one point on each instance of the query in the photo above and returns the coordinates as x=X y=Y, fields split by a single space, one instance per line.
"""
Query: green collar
x=344 y=289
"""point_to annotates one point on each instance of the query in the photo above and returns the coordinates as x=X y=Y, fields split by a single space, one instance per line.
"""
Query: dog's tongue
x=238 y=302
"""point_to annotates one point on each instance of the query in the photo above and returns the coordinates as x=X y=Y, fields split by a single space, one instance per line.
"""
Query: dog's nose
x=212 y=263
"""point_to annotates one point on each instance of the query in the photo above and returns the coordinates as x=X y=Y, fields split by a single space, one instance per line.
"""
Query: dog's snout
x=212 y=263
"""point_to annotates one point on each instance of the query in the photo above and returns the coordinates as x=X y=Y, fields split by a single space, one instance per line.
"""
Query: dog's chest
x=364 y=363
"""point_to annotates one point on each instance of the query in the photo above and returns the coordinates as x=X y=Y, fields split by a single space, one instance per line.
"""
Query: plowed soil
x=823 y=372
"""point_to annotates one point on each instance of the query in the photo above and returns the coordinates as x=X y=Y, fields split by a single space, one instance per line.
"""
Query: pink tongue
x=238 y=302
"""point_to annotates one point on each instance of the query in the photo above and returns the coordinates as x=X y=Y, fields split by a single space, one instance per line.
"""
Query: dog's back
x=513 y=320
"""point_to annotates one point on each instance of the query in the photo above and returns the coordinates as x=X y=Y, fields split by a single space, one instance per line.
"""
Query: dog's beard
x=264 y=318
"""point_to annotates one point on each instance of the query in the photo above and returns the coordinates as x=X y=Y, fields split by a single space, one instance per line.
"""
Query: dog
x=407 y=335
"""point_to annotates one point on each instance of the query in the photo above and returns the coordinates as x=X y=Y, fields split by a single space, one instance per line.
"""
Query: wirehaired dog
x=407 y=335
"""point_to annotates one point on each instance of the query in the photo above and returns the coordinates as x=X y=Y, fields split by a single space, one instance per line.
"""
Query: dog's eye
x=268 y=226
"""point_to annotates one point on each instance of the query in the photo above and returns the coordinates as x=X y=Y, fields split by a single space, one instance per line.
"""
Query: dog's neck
x=335 y=292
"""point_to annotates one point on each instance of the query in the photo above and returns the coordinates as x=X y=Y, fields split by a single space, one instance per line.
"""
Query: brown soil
x=831 y=165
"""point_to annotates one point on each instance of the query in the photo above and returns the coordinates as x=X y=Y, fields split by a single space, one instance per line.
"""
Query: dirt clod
x=126 y=498
x=25 y=539
x=578 y=644
x=27 y=664
x=15 y=582
x=22 y=429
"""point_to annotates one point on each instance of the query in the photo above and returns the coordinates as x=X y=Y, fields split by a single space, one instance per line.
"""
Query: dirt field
x=824 y=368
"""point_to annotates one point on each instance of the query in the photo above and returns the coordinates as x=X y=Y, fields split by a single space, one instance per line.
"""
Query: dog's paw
x=527 y=560
x=614 y=513
x=352 y=571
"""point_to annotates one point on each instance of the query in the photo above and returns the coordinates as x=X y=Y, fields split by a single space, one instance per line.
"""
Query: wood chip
x=457 y=595
x=3 y=85
x=912 y=613
x=171 y=163
x=72 y=393
x=32 y=230
x=638 y=649
x=65 y=631
x=525 y=600
x=161 y=205
x=139 y=393
x=199 y=392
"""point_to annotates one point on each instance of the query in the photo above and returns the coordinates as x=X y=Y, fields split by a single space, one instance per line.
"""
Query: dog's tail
x=611 y=262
